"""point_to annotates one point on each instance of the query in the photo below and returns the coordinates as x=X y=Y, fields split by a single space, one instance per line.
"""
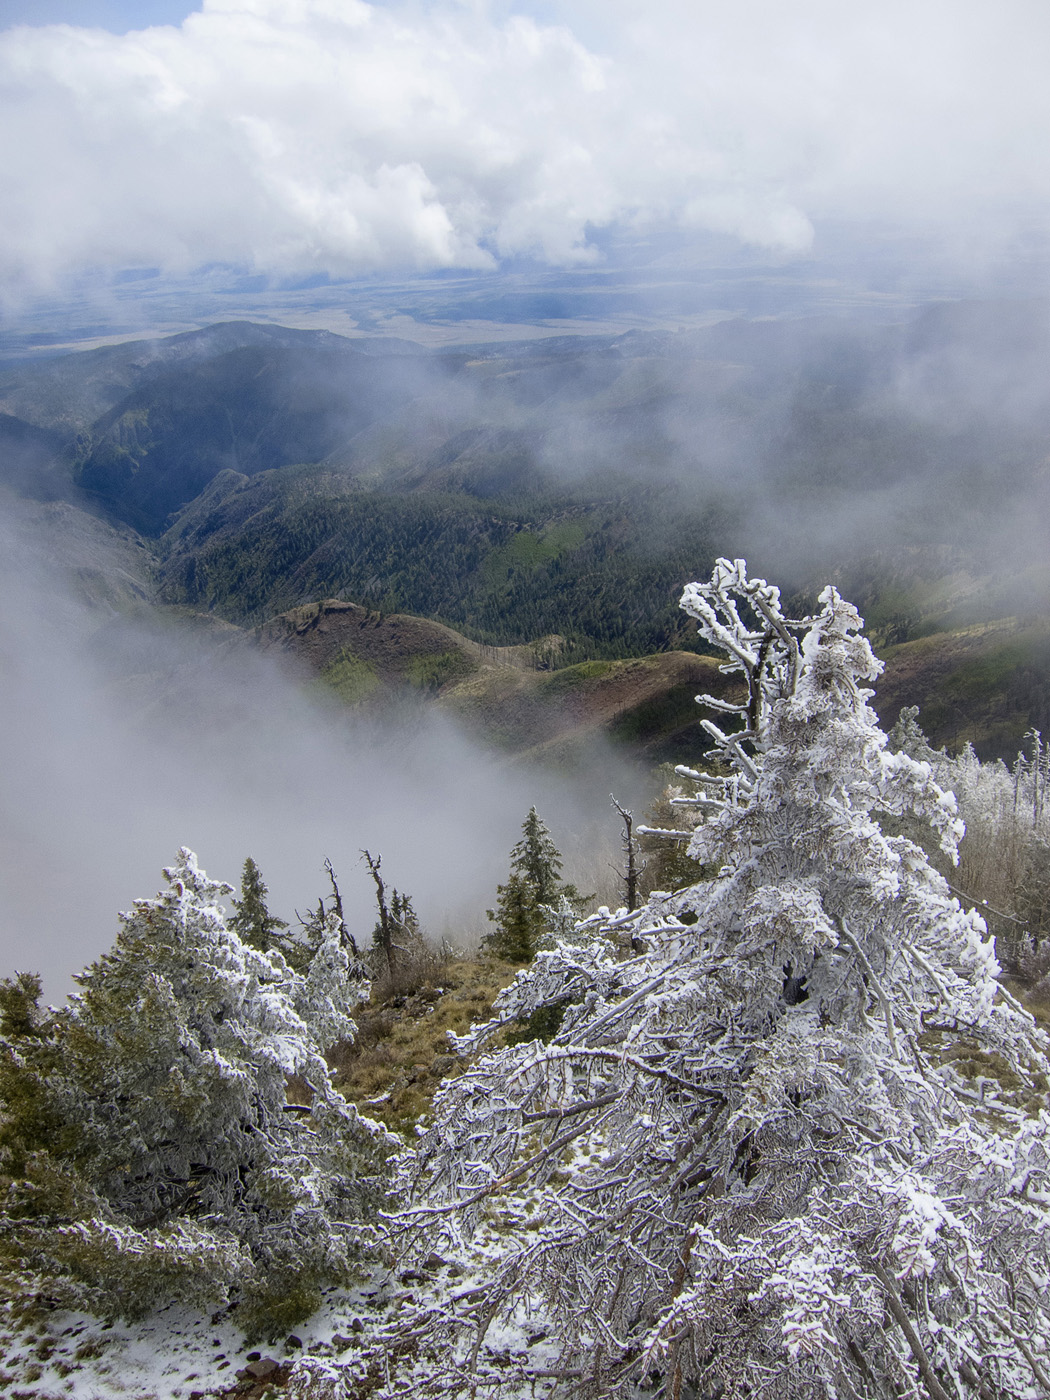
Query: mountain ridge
x=570 y=487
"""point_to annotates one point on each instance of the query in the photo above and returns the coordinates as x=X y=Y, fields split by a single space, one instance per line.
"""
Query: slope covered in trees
x=505 y=569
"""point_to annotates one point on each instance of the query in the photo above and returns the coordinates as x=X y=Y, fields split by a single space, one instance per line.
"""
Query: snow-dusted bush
x=1004 y=861
x=790 y=1137
x=146 y=1141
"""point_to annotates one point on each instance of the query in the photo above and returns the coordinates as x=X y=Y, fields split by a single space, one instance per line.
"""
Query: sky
x=340 y=137
x=118 y=16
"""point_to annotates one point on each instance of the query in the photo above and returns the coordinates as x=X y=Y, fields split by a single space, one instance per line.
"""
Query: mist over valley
x=246 y=556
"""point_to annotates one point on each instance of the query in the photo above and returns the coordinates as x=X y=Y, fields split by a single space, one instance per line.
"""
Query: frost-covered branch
x=721 y=1171
x=170 y=1166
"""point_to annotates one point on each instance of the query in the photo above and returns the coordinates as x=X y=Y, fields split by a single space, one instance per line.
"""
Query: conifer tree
x=536 y=858
x=518 y=918
x=252 y=921
x=533 y=887
x=397 y=934
x=20 y=1004
x=145 y=1133
x=796 y=1144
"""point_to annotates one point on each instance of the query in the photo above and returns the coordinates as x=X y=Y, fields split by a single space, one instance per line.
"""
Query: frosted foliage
x=563 y=923
x=790 y=1132
x=328 y=994
x=169 y=1077
x=208 y=1026
x=1005 y=859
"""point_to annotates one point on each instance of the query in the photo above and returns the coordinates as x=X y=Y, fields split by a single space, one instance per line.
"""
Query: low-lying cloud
x=122 y=741
x=301 y=136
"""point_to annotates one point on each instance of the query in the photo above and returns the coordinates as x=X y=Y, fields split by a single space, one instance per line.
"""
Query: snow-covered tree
x=146 y=1141
x=1004 y=861
x=790 y=1138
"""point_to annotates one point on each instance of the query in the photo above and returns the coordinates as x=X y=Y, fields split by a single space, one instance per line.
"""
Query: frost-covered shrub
x=146 y=1142
x=1033 y=963
x=1004 y=861
x=795 y=1143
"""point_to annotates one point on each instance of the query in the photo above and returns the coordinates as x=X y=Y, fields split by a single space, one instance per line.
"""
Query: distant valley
x=504 y=530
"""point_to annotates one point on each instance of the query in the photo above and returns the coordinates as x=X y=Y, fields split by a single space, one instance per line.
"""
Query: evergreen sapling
x=533 y=890
x=252 y=920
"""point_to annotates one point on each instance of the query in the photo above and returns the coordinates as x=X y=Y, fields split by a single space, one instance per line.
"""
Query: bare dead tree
x=337 y=904
x=385 y=928
x=632 y=870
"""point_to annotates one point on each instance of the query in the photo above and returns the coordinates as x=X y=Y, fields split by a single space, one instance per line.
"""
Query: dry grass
x=1024 y=1086
x=401 y=1053
x=1033 y=999
x=418 y=965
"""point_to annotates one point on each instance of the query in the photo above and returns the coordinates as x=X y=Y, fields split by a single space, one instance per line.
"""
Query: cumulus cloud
x=338 y=135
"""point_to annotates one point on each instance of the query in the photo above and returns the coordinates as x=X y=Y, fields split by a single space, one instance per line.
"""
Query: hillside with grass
x=520 y=700
x=565 y=488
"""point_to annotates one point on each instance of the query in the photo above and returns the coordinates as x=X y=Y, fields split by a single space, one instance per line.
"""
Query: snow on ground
x=177 y=1354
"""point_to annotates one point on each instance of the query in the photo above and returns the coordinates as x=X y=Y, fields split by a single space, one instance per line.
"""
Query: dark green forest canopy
x=605 y=573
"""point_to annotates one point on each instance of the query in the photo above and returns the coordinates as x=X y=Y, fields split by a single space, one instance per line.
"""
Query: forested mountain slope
x=602 y=572
x=570 y=486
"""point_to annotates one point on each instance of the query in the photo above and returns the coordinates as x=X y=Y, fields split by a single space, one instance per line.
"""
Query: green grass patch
x=349 y=678
x=571 y=677
x=430 y=673
x=563 y=536
x=528 y=550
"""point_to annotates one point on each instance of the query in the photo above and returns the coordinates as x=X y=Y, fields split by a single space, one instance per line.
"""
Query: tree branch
x=933 y=1386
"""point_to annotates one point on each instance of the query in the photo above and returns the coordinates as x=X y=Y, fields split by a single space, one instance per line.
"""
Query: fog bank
x=123 y=740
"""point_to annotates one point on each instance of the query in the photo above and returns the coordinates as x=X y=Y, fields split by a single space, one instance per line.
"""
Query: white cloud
x=296 y=135
x=107 y=769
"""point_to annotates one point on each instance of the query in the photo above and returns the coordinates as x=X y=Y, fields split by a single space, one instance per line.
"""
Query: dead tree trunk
x=337 y=904
x=631 y=870
x=385 y=929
